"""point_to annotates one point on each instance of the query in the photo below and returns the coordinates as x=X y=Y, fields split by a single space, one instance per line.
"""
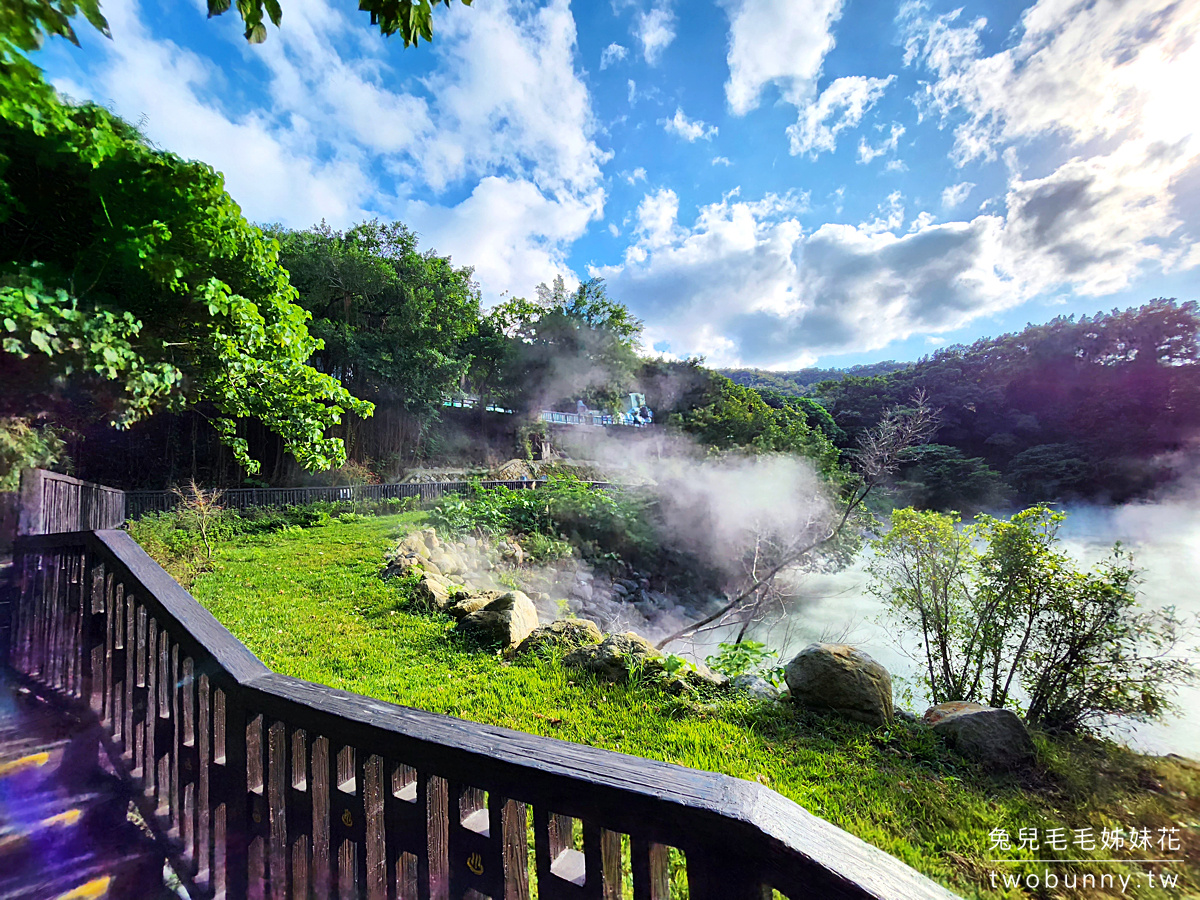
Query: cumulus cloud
x=841 y=105
x=638 y=174
x=509 y=115
x=690 y=130
x=722 y=161
x=611 y=54
x=508 y=230
x=1111 y=82
x=780 y=43
x=655 y=30
x=745 y=284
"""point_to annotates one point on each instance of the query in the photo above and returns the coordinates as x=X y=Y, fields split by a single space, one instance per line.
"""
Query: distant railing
x=139 y=503
x=263 y=785
x=52 y=503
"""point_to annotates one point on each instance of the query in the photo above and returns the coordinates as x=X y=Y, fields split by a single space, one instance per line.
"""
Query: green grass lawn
x=310 y=603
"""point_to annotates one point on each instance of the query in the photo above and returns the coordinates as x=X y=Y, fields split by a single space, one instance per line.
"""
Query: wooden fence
x=51 y=503
x=263 y=785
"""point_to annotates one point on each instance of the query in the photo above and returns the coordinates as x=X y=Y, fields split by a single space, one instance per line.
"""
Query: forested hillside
x=803 y=382
x=1104 y=407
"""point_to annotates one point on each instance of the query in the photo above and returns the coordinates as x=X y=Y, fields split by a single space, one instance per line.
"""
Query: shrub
x=998 y=607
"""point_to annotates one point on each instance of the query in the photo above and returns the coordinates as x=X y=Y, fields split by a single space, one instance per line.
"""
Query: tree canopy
x=1093 y=406
x=131 y=282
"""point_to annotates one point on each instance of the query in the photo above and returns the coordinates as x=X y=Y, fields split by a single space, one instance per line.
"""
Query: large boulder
x=567 y=634
x=506 y=621
x=616 y=657
x=837 y=678
x=995 y=738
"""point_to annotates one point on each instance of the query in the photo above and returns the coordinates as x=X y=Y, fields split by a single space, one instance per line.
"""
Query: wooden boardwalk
x=65 y=830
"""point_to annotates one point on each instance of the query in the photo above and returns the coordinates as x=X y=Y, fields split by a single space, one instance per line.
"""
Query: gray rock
x=837 y=678
x=995 y=738
x=568 y=634
x=620 y=589
x=464 y=603
x=614 y=658
x=506 y=621
x=756 y=686
x=432 y=591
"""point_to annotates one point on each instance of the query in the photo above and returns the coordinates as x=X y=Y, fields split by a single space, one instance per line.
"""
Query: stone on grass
x=432 y=591
x=614 y=658
x=505 y=621
x=995 y=738
x=839 y=679
x=567 y=634
x=463 y=603
x=756 y=686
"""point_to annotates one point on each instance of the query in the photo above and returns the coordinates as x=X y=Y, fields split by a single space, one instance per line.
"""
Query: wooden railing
x=51 y=503
x=140 y=502
x=262 y=785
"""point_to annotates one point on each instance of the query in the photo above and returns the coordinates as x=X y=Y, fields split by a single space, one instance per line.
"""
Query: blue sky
x=775 y=183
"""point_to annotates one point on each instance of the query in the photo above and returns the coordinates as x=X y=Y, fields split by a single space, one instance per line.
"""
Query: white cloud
x=955 y=194
x=655 y=30
x=632 y=91
x=745 y=284
x=721 y=161
x=1111 y=84
x=510 y=231
x=638 y=174
x=841 y=105
x=1095 y=71
x=508 y=116
x=690 y=130
x=613 y=53
x=779 y=42
x=868 y=153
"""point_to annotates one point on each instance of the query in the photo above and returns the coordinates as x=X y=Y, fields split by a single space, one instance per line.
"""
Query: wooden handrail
x=267 y=785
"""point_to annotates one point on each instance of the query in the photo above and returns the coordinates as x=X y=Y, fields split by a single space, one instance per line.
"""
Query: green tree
x=566 y=345
x=396 y=324
x=130 y=282
x=1004 y=617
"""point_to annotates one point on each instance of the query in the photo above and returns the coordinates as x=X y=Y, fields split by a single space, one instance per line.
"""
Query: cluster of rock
x=842 y=680
x=460 y=578
x=622 y=602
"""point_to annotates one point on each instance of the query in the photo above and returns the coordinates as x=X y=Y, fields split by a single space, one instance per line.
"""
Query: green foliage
x=563 y=347
x=1087 y=407
x=802 y=382
x=23 y=445
x=311 y=605
x=731 y=416
x=132 y=282
x=935 y=476
x=562 y=508
x=741 y=658
x=1014 y=613
x=411 y=19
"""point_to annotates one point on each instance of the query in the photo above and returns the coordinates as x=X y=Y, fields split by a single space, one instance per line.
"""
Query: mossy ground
x=310 y=603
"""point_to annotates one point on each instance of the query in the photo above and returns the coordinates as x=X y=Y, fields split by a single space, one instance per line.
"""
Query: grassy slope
x=309 y=603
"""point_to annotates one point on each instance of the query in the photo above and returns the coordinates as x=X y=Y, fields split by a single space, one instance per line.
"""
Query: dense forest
x=803 y=382
x=1103 y=407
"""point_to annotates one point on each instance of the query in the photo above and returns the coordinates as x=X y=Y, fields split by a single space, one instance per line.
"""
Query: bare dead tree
x=879 y=454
